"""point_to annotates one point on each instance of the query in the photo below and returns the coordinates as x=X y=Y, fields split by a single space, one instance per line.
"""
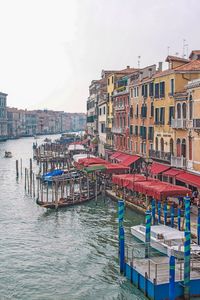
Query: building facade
x=3 y=116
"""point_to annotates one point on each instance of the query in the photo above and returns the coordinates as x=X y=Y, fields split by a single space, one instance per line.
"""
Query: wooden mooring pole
x=17 y=169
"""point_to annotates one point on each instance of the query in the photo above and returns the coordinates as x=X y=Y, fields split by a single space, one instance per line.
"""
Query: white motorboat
x=166 y=240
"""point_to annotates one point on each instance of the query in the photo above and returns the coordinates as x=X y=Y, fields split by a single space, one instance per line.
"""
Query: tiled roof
x=194 y=52
x=193 y=65
x=176 y=58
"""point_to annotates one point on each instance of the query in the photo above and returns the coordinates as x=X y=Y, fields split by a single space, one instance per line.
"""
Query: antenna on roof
x=139 y=61
x=168 y=48
x=176 y=53
x=184 y=45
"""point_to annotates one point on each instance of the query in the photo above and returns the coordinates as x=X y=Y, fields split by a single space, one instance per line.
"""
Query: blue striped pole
x=187 y=213
x=172 y=278
x=153 y=209
x=172 y=215
x=165 y=213
x=179 y=218
x=120 y=212
x=187 y=264
x=159 y=212
x=121 y=249
x=198 y=226
x=147 y=232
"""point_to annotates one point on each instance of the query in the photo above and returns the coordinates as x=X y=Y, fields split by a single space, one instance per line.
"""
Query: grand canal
x=66 y=254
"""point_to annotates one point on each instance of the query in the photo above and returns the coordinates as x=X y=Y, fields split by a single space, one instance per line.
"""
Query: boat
x=166 y=240
x=60 y=174
x=68 y=201
x=47 y=140
x=8 y=154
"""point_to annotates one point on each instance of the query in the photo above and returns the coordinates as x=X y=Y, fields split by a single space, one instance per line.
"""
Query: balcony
x=120 y=91
x=108 y=147
x=179 y=124
x=117 y=130
x=91 y=119
x=160 y=155
x=120 y=107
x=178 y=162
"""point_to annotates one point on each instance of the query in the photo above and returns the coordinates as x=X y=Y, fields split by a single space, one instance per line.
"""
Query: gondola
x=65 y=202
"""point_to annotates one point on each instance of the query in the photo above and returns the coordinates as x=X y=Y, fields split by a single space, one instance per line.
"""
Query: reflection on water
x=66 y=254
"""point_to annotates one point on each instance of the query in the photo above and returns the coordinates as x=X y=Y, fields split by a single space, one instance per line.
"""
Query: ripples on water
x=66 y=254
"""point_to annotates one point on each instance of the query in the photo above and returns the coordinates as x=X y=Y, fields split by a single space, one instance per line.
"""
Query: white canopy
x=74 y=147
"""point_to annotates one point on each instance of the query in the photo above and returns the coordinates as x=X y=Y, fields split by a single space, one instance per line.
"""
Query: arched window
x=178 y=147
x=156 y=144
x=190 y=107
x=162 y=145
x=183 y=148
x=171 y=145
x=178 y=107
x=184 y=113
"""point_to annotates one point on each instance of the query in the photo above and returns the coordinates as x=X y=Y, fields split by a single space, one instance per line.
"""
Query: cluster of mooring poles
x=150 y=219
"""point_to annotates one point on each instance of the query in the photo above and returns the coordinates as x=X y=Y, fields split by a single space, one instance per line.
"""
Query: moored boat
x=8 y=154
x=165 y=239
x=68 y=201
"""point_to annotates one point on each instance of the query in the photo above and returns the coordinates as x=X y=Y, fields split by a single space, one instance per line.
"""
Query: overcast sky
x=51 y=50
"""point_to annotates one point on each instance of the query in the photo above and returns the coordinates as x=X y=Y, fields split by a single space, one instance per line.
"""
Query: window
x=151 y=89
x=162 y=115
x=131 y=93
x=171 y=146
x=104 y=110
x=178 y=107
x=183 y=148
x=162 y=145
x=144 y=148
x=152 y=109
x=131 y=111
x=162 y=89
x=145 y=90
x=178 y=147
x=150 y=134
x=131 y=129
x=102 y=128
x=157 y=90
x=190 y=107
x=112 y=79
x=137 y=111
x=136 y=130
x=172 y=87
x=156 y=115
x=100 y=111
x=184 y=113
x=144 y=111
x=108 y=81
x=171 y=114
x=156 y=144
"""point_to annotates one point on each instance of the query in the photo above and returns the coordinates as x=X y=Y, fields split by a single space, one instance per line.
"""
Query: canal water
x=66 y=254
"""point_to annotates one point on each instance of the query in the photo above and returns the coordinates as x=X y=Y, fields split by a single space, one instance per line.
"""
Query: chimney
x=128 y=67
x=160 y=66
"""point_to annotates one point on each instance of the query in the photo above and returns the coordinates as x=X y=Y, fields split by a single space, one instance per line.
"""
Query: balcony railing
x=120 y=107
x=179 y=124
x=117 y=130
x=165 y=156
x=121 y=90
x=179 y=162
x=108 y=147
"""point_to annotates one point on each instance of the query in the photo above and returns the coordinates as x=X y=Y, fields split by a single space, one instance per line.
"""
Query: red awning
x=127 y=180
x=91 y=161
x=130 y=160
x=159 y=190
x=157 y=168
x=172 y=172
x=122 y=157
x=116 y=168
x=189 y=178
x=115 y=155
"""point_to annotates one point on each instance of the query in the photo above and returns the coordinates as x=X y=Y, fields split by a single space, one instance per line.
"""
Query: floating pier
x=159 y=277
